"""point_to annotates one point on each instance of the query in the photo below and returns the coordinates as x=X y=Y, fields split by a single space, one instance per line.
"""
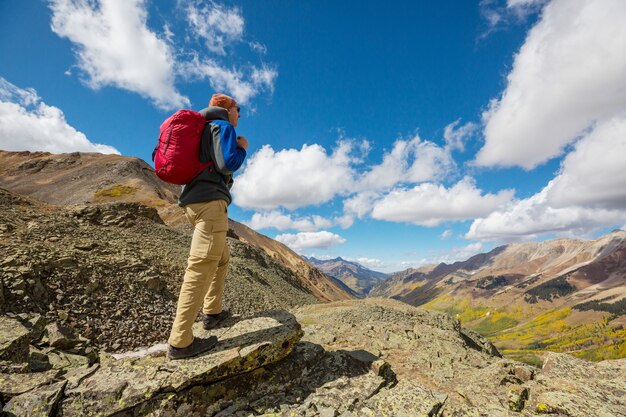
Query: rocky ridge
x=93 y=267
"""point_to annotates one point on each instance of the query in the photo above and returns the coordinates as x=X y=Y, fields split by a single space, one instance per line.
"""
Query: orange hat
x=222 y=100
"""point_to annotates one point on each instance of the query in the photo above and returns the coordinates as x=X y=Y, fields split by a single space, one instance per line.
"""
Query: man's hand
x=242 y=142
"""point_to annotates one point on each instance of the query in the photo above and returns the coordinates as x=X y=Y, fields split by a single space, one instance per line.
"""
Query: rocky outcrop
x=574 y=387
x=445 y=370
x=14 y=340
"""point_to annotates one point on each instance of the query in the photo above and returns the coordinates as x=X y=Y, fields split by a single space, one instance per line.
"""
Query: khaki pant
x=207 y=265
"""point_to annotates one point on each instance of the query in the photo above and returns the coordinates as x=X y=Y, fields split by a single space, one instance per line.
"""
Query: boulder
x=35 y=323
x=61 y=337
x=152 y=282
x=517 y=397
x=64 y=360
x=14 y=340
x=38 y=361
x=122 y=214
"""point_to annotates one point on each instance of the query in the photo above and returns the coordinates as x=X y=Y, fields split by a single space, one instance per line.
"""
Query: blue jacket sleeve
x=233 y=155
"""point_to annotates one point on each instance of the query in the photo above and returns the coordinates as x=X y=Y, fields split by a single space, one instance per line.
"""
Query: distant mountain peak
x=354 y=275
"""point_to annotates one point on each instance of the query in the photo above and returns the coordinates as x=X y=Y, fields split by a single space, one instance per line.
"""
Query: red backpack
x=177 y=155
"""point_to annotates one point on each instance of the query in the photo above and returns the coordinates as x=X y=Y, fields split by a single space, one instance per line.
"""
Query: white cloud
x=370 y=262
x=240 y=84
x=429 y=204
x=525 y=3
x=450 y=256
x=321 y=257
x=455 y=135
x=500 y=15
x=409 y=161
x=391 y=170
x=258 y=47
x=360 y=205
x=216 y=25
x=459 y=254
x=533 y=217
x=491 y=13
x=589 y=193
x=594 y=173
x=344 y=221
x=115 y=47
x=446 y=234
x=309 y=240
x=294 y=178
x=29 y=124
x=277 y=220
x=569 y=74
x=431 y=162
x=264 y=77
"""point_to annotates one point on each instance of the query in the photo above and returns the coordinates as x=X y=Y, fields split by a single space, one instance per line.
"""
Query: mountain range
x=354 y=275
x=561 y=294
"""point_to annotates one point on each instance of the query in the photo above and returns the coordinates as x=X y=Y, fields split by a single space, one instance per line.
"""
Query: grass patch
x=497 y=321
x=549 y=331
x=461 y=309
x=592 y=341
x=116 y=191
x=614 y=349
x=541 y=327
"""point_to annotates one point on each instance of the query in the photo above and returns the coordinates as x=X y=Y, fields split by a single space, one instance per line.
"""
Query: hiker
x=205 y=201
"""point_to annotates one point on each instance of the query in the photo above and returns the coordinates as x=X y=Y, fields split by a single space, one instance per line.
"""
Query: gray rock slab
x=12 y=385
x=40 y=402
x=63 y=360
x=579 y=388
x=406 y=399
x=123 y=384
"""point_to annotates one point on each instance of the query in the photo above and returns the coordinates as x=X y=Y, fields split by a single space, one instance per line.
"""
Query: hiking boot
x=198 y=346
x=211 y=321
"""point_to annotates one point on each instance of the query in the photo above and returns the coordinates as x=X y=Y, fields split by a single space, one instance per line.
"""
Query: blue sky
x=395 y=136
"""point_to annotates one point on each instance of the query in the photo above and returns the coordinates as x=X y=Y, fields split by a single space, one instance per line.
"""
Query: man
x=205 y=201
